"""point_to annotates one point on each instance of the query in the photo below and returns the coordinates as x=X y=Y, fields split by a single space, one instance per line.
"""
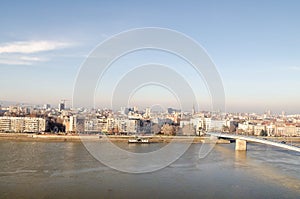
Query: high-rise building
x=148 y=113
x=46 y=106
x=124 y=110
x=193 y=110
x=61 y=106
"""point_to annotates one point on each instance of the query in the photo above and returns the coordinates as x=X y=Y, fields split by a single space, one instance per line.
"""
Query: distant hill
x=9 y=103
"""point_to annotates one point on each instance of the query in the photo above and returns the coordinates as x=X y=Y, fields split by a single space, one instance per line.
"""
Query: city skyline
x=255 y=48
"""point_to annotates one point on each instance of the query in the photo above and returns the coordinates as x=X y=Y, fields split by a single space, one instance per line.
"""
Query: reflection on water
x=67 y=170
x=240 y=156
x=140 y=148
x=279 y=166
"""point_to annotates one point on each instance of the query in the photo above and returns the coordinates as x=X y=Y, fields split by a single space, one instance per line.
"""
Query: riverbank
x=118 y=138
x=77 y=138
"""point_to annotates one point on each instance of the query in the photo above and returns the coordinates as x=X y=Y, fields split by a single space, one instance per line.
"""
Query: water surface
x=67 y=170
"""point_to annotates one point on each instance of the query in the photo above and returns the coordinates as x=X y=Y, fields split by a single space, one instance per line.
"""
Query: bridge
x=241 y=141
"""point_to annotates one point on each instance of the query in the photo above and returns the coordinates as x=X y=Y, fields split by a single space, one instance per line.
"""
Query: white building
x=22 y=124
x=127 y=125
x=216 y=125
x=5 y=124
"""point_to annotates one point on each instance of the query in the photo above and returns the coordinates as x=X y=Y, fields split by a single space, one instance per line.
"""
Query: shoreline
x=77 y=138
x=117 y=138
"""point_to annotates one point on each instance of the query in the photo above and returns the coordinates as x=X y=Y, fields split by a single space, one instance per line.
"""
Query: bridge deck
x=255 y=139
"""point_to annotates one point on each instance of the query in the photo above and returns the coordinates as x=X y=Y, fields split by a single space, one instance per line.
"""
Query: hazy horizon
x=255 y=46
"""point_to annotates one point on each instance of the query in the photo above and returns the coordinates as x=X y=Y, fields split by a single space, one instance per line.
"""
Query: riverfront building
x=22 y=124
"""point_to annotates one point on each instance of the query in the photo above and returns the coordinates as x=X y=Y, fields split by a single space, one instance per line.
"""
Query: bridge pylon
x=240 y=145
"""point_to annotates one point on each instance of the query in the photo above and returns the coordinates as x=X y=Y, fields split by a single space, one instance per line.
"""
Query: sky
x=255 y=46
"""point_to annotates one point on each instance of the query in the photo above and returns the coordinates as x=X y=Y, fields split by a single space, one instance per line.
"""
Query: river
x=67 y=170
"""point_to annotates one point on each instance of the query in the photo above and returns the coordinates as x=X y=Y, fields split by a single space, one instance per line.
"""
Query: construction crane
x=64 y=100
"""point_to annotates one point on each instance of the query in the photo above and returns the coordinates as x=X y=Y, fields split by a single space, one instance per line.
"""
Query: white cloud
x=11 y=53
x=27 y=47
x=20 y=60
x=14 y=62
x=27 y=58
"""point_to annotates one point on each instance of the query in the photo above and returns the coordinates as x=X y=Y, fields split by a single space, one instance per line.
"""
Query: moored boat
x=139 y=140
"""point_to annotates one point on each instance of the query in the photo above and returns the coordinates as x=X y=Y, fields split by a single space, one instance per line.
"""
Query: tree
x=225 y=128
x=263 y=133
x=168 y=129
x=155 y=129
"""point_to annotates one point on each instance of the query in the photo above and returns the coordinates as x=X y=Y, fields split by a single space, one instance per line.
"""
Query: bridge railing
x=257 y=140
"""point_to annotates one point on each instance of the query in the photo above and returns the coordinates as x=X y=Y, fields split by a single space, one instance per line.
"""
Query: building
x=271 y=129
x=34 y=125
x=72 y=124
x=198 y=125
x=258 y=129
x=5 y=124
x=206 y=124
x=162 y=121
x=126 y=126
x=18 y=125
x=147 y=113
x=61 y=106
x=22 y=124
x=46 y=106
x=216 y=125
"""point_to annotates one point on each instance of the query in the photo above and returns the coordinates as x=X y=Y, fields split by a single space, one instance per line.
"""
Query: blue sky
x=254 y=44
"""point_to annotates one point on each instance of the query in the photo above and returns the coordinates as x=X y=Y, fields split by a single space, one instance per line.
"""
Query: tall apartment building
x=22 y=124
x=61 y=105
x=17 y=124
x=34 y=125
x=5 y=124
